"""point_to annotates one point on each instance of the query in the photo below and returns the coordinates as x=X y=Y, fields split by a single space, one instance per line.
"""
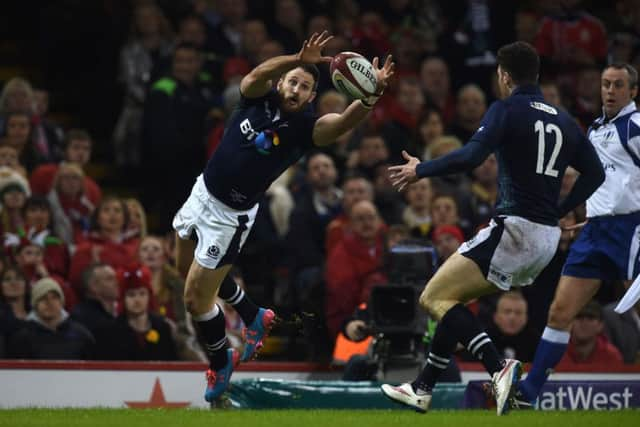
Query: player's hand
x=403 y=175
x=383 y=74
x=311 y=52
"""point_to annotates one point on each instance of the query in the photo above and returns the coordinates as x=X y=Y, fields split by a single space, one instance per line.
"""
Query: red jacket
x=56 y=259
x=42 y=178
x=560 y=37
x=336 y=231
x=604 y=353
x=352 y=270
x=117 y=255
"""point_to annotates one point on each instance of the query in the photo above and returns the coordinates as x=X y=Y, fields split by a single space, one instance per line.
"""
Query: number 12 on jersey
x=540 y=129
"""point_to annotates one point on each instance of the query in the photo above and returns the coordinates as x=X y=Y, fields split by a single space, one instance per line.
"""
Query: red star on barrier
x=157 y=400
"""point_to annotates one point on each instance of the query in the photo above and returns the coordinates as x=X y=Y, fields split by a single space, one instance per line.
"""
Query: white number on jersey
x=539 y=128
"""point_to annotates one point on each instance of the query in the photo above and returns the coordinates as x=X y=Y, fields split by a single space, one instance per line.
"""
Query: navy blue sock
x=211 y=331
x=442 y=345
x=548 y=354
x=464 y=326
x=458 y=325
x=238 y=299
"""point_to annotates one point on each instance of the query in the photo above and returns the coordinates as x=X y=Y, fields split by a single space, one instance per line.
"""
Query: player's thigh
x=572 y=294
x=458 y=280
x=184 y=254
x=201 y=287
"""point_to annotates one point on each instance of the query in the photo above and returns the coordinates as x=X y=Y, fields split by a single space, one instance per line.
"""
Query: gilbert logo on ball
x=353 y=75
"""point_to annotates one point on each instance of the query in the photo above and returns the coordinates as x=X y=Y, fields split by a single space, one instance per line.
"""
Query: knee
x=436 y=303
x=194 y=303
x=190 y=301
x=430 y=303
x=424 y=299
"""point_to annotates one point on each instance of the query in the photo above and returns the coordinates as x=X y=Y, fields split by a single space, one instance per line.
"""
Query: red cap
x=452 y=230
x=135 y=276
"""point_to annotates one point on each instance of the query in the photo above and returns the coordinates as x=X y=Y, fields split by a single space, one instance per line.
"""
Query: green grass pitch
x=307 y=418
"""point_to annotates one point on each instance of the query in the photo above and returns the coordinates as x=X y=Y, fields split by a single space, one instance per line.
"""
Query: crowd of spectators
x=87 y=275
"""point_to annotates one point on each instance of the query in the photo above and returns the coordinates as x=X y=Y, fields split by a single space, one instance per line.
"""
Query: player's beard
x=291 y=103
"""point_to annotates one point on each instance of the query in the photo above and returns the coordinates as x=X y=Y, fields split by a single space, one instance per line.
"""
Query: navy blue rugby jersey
x=534 y=143
x=260 y=142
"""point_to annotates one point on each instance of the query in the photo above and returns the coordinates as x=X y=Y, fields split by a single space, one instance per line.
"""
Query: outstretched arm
x=329 y=127
x=461 y=160
x=260 y=80
x=482 y=143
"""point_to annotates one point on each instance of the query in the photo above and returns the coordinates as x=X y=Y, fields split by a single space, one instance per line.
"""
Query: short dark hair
x=38 y=202
x=353 y=176
x=11 y=114
x=446 y=195
x=186 y=46
x=76 y=134
x=371 y=134
x=12 y=266
x=88 y=274
x=192 y=17
x=315 y=153
x=549 y=83
x=313 y=70
x=521 y=61
x=93 y=220
x=631 y=70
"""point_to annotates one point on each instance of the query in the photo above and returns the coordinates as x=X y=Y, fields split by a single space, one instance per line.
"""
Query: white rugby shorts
x=220 y=230
x=512 y=251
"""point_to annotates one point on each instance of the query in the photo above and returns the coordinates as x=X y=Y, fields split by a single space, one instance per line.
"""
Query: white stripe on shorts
x=633 y=252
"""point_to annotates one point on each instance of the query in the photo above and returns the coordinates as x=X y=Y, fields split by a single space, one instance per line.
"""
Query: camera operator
x=381 y=336
x=352 y=347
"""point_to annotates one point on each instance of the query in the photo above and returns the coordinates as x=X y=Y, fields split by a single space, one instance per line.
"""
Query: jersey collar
x=627 y=109
x=528 y=89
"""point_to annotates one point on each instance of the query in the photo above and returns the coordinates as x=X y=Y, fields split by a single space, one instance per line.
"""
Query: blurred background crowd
x=110 y=109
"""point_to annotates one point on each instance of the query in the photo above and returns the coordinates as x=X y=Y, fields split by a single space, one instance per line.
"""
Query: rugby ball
x=353 y=75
